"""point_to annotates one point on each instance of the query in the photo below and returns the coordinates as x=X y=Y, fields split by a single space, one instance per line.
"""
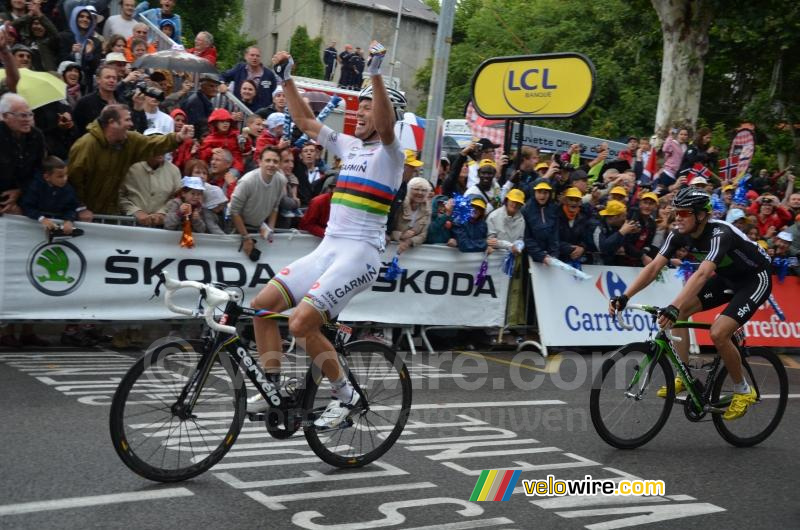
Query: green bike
x=627 y=413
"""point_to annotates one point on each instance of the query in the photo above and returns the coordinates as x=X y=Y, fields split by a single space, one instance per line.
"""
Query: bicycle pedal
x=256 y=416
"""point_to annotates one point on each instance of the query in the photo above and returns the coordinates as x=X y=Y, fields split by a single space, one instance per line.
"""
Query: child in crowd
x=472 y=235
x=439 y=231
x=51 y=198
x=223 y=135
x=189 y=203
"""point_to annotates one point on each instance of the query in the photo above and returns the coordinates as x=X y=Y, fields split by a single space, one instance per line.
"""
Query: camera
x=561 y=164
x=149 y=90
x=255 y=255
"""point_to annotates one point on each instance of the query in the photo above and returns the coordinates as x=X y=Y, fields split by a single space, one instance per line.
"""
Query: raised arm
x=382 y=110
x=302 y=115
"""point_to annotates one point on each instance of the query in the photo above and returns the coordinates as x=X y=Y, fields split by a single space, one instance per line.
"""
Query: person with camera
x=609 y=236
x=639 y=248
x=470 y=156
x=771 y=216
x=522 y=177
x=256 y=201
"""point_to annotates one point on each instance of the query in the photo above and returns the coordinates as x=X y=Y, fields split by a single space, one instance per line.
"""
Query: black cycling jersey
x=737 y=258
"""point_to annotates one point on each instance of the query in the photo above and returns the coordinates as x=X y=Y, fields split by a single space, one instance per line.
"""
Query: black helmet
x=397 y=98
x=692 y=197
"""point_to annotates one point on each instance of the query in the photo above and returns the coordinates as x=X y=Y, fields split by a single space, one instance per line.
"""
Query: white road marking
x=96 y=500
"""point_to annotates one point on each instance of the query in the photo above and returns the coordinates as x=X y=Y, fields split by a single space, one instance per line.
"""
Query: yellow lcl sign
x=534 y=86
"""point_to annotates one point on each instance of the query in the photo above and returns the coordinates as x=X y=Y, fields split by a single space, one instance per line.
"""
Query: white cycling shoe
x=257 y=404
x=336 y=412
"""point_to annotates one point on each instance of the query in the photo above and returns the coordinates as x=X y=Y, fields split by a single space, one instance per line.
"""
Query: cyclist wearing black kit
x=733 y=270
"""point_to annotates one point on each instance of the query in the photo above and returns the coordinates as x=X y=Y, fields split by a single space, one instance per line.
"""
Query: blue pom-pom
x=718 y=205
x=462 y=209
x=508 y=264
x=740 y=196
x=394 y=270
x=686 y=270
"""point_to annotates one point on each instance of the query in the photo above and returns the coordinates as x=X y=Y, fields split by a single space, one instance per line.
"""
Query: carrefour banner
x=574 y=312
x=109 y=273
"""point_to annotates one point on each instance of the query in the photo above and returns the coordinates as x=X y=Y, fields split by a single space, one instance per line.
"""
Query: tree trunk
x=684 y=25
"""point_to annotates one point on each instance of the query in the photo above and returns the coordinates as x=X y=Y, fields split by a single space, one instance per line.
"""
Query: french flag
x=650 y=167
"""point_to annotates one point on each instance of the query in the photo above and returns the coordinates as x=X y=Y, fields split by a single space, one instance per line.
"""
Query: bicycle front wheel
x=763 y=371
x=372 y=428
x=152 y=432
x=625 y=410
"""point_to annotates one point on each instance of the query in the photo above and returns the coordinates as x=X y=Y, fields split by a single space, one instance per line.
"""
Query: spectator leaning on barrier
x=541 y=224
x=506 y=225
x=575 y=228
x=50 y=198
x=189 y=203
x=22 y=152
x=472 y=235
x=257 y=198
x=148 y=187
x=99 y=160
x=315 y=220
x=219 y=171
x=411 y=224
x=440 y=229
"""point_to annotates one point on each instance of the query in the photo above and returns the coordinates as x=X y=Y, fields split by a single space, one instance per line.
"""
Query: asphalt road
x=472 y=411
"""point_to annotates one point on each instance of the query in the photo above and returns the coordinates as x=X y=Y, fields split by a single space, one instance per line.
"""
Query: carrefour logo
x=610 y=285
x=56 y=269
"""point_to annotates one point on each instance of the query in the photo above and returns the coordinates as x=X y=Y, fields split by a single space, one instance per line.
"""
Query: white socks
x=741 y=388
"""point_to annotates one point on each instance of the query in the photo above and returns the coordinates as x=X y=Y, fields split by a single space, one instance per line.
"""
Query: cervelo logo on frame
x=56 y=268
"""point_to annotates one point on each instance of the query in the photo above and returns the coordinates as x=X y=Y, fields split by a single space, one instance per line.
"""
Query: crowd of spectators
x=151 y=145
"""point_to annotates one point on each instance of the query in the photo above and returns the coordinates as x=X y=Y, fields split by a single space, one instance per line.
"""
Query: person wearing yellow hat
x=487 y=187
x=618 y=193
x=727 y=194
x=609 y=235
x=639 y=249
x=472 y=235
x=574 y=228
x=506 y=224
x=541 y=224
x=412 y=164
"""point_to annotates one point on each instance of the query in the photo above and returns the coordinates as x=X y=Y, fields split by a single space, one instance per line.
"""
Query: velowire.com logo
x=56 y=268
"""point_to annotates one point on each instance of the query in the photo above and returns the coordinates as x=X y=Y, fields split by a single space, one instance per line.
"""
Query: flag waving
x=650 y=166
x=699 y=170
x=729 y=168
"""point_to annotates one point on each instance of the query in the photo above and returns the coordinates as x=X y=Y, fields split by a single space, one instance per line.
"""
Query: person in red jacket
x=204 y=47
x=315 y=220
x=770 y=215
x=187 y=149
x=223 y=135
x=272 y=134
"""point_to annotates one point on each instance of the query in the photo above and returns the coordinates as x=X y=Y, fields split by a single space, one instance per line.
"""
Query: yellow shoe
x=662 y=392
x=739 y=405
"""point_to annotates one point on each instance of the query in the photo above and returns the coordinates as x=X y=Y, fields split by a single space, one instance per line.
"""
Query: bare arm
x=302 y=114
x=272 y=219
x=646 y=277
x=382 y=111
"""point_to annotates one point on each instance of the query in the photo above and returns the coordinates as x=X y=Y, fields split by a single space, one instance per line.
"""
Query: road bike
x=627 y=413
x=182 y=405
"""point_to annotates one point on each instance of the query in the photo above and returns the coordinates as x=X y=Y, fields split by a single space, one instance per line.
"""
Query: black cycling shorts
x=743 y=299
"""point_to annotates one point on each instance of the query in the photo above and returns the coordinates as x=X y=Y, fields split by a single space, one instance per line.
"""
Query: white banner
x=573 y=312
x=109 y=274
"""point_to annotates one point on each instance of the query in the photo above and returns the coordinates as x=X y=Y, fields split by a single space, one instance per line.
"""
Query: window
x=274 y=43
x=276 y=6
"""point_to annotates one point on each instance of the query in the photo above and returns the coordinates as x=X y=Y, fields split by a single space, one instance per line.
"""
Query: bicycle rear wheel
x=625 y=410
x=764 y=371
x=371 y=430
x=150 y=432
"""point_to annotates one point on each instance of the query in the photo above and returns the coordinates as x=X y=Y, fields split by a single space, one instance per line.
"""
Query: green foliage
x=307 y=54
x=433 y=4
x=223 y=20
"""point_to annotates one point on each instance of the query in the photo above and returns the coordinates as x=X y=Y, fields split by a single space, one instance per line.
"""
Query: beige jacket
x=148 y=190
x=417 y=220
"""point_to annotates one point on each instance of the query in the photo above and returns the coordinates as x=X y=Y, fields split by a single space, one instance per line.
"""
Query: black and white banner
x=109 y=273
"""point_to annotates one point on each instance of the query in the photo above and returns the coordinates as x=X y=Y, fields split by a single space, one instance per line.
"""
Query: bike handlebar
x=213 y=296
x=652 y=310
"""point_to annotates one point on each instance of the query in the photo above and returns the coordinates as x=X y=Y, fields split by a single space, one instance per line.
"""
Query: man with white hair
x=204 y=47
x=22 y=153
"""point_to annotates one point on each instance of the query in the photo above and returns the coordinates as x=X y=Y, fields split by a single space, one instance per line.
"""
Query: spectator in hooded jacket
x=223 y=135
x=575 y=227
x=541 y=224
x=80 y=44
x=166 y=12
x=472 y=235
x=37 y=32
x=412 y=221
x=188 y=147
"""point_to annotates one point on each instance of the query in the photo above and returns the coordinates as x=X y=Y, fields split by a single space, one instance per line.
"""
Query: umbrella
x=316 y=100
x=38 y=88
x=175 y=61
x=410 y=131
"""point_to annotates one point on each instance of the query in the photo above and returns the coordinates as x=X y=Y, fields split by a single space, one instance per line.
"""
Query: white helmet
x=395 y=96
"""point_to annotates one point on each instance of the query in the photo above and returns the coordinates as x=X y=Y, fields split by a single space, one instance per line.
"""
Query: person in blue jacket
x=541 y=224
x=251 y=68
x=156 y=15
x=51 y=198
x=472 y=235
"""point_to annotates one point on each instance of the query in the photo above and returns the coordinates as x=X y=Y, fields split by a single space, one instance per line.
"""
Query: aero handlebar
x=647 y=309
x=213 y=296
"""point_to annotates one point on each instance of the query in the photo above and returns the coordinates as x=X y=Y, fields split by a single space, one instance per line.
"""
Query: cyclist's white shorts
x=330 y=276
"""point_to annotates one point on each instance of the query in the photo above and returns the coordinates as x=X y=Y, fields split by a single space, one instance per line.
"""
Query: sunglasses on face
x=684 y=213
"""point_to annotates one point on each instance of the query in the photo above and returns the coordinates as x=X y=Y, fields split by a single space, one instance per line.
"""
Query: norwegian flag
x=729 y=168
x=494 y=130
x=650 y=168
x=698 y=170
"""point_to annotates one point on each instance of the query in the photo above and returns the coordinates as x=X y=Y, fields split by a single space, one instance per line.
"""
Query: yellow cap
x=649 y=195
x=487 y=163
x=614 y=208
x=573 y=193
x=619 y=190
x=729 y=187
x=542 y=165
x=516 y=196
x=763 y=244
x=543 y=186
x=477 y=201
x=411 y=158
